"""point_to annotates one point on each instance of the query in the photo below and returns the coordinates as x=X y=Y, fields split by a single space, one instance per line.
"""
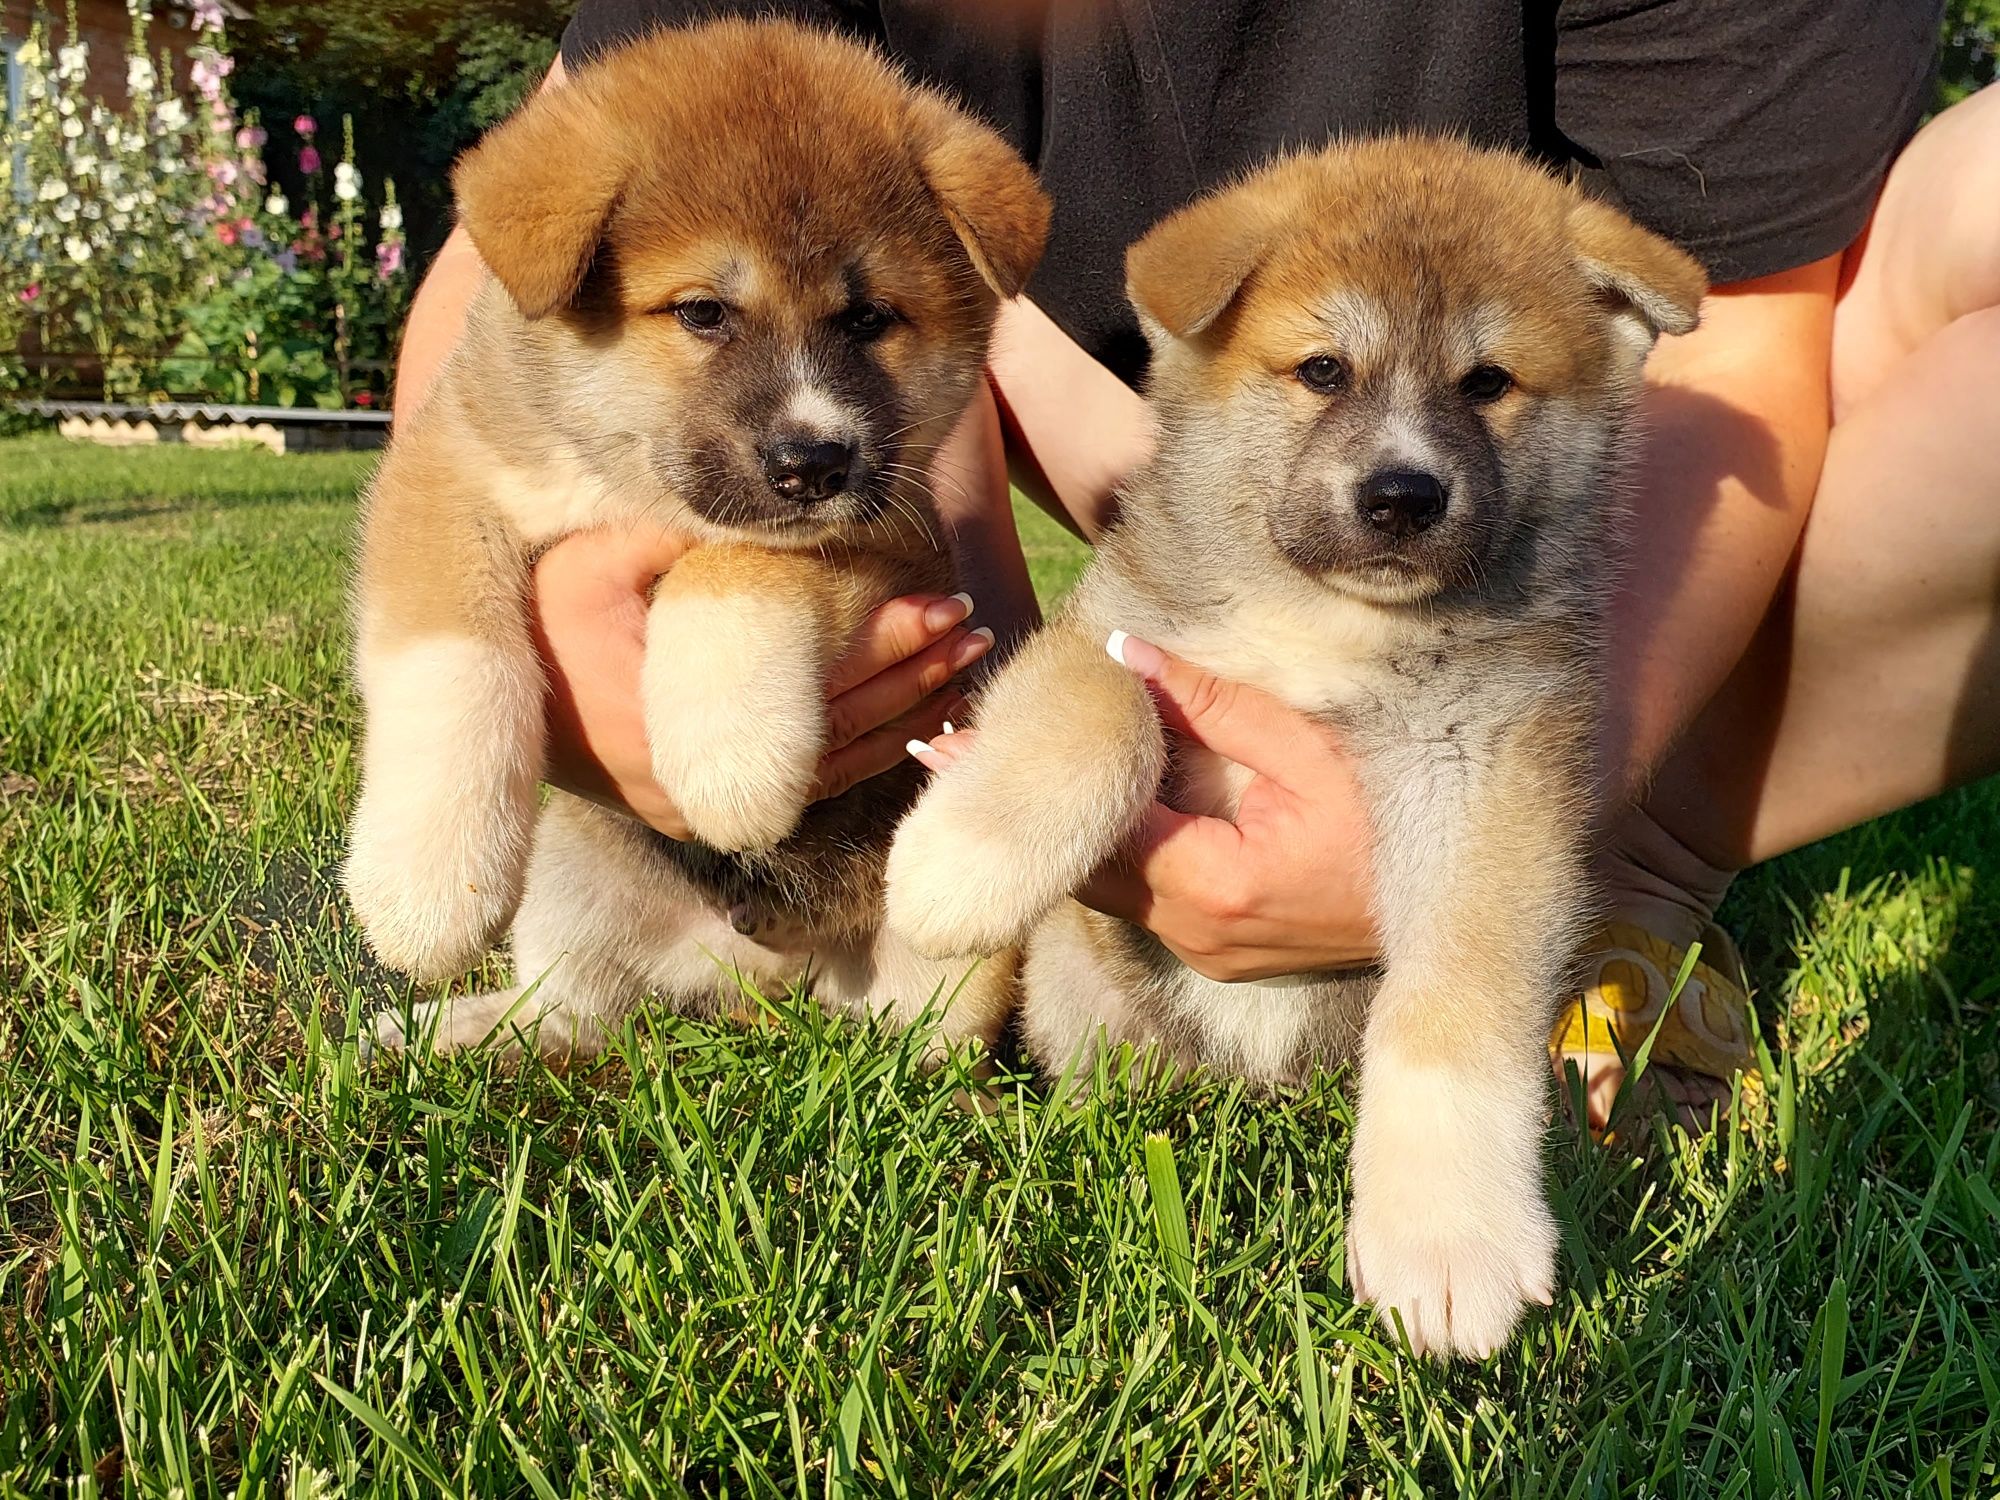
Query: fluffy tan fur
x=1396 y=306
x=708 y=244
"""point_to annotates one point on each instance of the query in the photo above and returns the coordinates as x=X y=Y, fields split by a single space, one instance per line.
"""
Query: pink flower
x=222 y=173
x=388 y=260
x=309 y=161
x=364 y=398
x=208 y=15
x=30 y=292
x=208 y=72
x=305 y=125
x=251 y=138
x=226 y=232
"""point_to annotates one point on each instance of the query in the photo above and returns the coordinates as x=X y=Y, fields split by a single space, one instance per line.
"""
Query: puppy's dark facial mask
x=1412 y=353
x=775 y=286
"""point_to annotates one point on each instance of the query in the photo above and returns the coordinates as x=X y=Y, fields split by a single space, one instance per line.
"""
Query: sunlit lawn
x=783 y=1259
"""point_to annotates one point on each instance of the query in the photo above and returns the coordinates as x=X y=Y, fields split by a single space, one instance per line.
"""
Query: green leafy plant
x=144 y=236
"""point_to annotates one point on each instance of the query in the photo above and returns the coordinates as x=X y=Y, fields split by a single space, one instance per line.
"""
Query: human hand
x=1283 y=888
x=589 y=601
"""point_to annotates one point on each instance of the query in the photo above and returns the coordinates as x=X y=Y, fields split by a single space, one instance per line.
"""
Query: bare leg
x=1874 y=680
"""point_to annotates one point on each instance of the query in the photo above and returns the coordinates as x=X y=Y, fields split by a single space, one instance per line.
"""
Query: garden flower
x=309 y=161
x=78 y=248
x=305 y=125
x=72 y=128
x=286 y=261
x=72 y=61
x=208 y=15
x=251 y=138
x=31 y=291
x=226 y=232
x=222 y=172
x=52 y=189
x=388 y=260
x=277 y=205
x=346 y=182
x=172 y=114
x=392 y=217
x=65 y=211
x=139 y=75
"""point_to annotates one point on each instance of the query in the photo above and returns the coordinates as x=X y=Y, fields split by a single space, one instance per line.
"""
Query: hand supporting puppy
x=590 y=598
x=1285 y=887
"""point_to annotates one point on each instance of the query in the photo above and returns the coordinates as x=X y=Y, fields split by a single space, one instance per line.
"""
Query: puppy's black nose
x=1401 y=502
x=807 y=469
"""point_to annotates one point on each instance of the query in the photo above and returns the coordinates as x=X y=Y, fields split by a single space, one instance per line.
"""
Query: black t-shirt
x=1755 y=133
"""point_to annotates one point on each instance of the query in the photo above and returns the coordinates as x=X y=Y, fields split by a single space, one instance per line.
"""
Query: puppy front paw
x=432 y=896
x=1448 y=1229
x=735 y=716
x=741 y=793
x=964 y=877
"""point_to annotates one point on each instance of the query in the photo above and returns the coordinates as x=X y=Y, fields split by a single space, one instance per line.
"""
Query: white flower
x=79 y=249
x=30 y=54
x=392 y=216
x=72 y=128
x=277 y=205
x=172 y=114
x=83 y=164
x=65 y=105
x=52 y=189
x=139 y=75
x=72 y=61
x=65 y=211
x=346 y=182
x=124 y=203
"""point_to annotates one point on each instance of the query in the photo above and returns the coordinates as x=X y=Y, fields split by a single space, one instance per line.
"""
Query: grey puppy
x=1391 y=380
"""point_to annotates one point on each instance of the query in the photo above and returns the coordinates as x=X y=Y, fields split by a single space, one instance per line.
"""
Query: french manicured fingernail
x=925 y=756
x=975 y=645
x=947 y=727
x=948 y=612
x=918 y=748
x=1129 y=651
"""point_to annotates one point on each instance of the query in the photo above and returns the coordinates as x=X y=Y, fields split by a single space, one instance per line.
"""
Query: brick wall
x=105 y=25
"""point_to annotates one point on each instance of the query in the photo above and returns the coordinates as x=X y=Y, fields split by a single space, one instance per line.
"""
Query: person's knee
x=1958 y=156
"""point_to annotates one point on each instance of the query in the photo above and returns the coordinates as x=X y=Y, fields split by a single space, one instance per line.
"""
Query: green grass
x=782 y=1259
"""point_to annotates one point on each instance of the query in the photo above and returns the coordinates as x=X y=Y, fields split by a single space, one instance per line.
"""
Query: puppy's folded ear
x=1189 y=267
x=1655 y=280
x=988 y=194
x=537 y=193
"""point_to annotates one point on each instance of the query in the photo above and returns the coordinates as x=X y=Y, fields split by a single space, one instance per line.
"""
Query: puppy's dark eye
x=1485 y=383
x=867 y=321
x=1323 y=373
x=701 y=314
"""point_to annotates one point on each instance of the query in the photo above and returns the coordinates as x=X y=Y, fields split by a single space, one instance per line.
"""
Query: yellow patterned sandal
x=1628 y=974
